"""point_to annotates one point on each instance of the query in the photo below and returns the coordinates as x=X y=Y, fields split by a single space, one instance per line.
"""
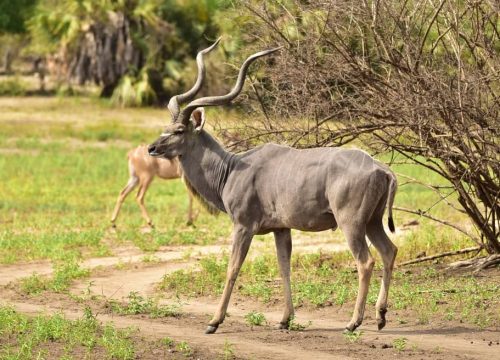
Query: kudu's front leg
x=190 y=209
x=241 y=242
x=283 y=240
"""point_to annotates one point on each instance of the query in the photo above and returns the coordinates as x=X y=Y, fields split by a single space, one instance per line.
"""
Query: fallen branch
x=437 y=256
x=479 y=264
x=454 y=291
x=451 y=291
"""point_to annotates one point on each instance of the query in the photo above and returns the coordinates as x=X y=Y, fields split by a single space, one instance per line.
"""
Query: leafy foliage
x=13 y=15
x=126 y=47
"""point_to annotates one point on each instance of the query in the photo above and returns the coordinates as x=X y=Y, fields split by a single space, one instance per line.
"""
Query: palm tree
x=122 y=43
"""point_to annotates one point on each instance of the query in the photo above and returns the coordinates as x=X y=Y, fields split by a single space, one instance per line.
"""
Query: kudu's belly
x=304 y=217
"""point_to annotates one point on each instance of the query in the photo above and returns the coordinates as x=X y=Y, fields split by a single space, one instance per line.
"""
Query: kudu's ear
x=198 y=119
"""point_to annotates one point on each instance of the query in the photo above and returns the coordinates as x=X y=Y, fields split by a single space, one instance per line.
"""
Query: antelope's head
x=187 y=123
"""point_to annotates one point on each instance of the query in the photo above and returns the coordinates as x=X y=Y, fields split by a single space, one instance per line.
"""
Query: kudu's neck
x=206 y=166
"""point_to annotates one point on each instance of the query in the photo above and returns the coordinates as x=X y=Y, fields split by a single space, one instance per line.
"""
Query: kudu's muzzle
x=152 y=150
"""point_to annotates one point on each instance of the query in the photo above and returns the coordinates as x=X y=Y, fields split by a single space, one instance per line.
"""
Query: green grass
x=138 y=304
x=227 y=351
x=55 y=337
x=352 y=336
x=293 y=325
x=62 y=277
x=184 y=348
x=210 y=280
x=22 y=337
x=400 y=343
x=255 y=318
x=57 y=194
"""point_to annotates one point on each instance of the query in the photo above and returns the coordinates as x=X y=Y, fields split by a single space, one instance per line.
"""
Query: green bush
x=132 y=91
x=12 y=87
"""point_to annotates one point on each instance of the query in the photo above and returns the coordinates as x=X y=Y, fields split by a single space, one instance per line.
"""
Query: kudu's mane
x=211 y=208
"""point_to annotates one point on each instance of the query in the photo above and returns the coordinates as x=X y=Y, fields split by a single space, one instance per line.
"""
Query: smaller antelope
x=143 y=168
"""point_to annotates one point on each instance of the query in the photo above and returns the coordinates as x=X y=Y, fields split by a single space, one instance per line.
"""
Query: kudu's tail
x=393 y=186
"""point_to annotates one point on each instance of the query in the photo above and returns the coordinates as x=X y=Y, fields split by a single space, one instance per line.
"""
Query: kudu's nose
x=152 y=150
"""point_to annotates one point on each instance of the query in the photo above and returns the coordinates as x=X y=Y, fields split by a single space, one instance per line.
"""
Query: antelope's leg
x=132 y=183
x=190 y=208
x=364 y=263
x=283 y=240
x=387 y=251
x=140 y=199
x=242 y=239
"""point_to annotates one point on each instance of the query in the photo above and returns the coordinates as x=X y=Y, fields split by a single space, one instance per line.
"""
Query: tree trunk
x=107 y=90
x=7 y=61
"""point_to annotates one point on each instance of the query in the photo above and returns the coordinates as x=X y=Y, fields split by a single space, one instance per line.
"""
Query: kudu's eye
x=178 y=131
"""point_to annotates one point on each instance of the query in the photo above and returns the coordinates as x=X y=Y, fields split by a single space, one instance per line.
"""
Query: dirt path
x=132 y=255
x=245 y=347
x=128 y=255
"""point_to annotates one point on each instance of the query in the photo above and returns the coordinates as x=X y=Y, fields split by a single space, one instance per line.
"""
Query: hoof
x=113 y=225
x=211 y=329
x=351 y=327
x=381 y=320
x=282 y=326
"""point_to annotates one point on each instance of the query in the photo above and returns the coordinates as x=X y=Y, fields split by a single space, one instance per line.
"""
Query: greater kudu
x=275 y=188
x=143 y=169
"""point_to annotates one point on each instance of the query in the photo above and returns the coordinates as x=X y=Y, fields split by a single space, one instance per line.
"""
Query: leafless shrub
x=418 y=78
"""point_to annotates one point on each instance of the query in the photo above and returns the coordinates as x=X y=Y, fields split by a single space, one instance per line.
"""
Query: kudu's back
x=309 y=189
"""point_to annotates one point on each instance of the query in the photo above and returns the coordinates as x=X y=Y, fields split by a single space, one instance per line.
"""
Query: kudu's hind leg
x=132 y=183
x=241 y=242
x=140 y=199
x=283 y=240
x=364 y=262
x=387 y=251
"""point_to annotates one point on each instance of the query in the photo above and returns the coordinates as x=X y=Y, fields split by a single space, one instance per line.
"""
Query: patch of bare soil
x=9 y=273
x=118 y=284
